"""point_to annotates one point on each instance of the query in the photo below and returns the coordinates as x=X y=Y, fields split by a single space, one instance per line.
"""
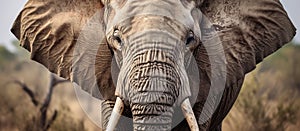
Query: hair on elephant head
x=148 y=48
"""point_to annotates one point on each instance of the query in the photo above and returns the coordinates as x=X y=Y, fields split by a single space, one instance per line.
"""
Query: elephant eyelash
x=118 y=39
x=190 y=38
x=116 y=36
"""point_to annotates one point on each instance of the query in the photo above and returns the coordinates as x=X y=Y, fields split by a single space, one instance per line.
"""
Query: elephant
x=150 y=59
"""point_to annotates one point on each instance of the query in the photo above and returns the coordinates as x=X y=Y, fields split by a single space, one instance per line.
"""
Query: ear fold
x=55 y=33
x=248 y=31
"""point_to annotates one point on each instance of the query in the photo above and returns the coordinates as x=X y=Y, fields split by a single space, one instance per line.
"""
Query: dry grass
x=17 y=112
x=269 y=99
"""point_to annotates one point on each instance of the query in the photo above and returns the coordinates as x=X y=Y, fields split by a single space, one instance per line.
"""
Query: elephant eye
x=116 y=36
x=190 y=38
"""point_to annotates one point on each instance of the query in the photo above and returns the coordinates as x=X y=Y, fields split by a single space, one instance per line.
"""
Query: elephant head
x=148 y=47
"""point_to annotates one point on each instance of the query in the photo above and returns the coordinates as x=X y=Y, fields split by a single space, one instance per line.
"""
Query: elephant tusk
x=189 y=115
x=115 y=115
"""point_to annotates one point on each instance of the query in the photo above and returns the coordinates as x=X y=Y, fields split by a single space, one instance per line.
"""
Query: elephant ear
x=67 y=37
x=249 y=30
x=237 y=35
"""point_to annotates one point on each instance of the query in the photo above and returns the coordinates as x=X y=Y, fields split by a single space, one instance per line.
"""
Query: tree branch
x=51 y=120
x=28 y=91
x=54 y=80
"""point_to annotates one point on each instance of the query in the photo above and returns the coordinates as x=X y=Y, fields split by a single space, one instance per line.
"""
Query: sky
x=9 y=10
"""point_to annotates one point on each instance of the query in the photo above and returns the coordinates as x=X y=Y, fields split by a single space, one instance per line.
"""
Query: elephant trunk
x=146 y=117
x=153 y=90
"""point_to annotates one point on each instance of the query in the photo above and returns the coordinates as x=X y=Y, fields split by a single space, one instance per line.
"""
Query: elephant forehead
x=168 y=8
x=156 y=23
x=160 y=37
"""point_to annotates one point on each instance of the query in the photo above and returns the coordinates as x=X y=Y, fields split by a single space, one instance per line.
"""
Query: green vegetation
x=5 y=55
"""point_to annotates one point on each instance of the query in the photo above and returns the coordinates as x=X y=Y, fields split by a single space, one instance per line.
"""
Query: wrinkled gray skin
x=152 y=42
x=150 y=49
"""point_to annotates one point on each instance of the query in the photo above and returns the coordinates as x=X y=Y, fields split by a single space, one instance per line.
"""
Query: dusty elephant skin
x=147 y=47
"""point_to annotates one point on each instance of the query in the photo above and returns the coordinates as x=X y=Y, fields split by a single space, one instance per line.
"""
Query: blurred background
x=269 y=99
